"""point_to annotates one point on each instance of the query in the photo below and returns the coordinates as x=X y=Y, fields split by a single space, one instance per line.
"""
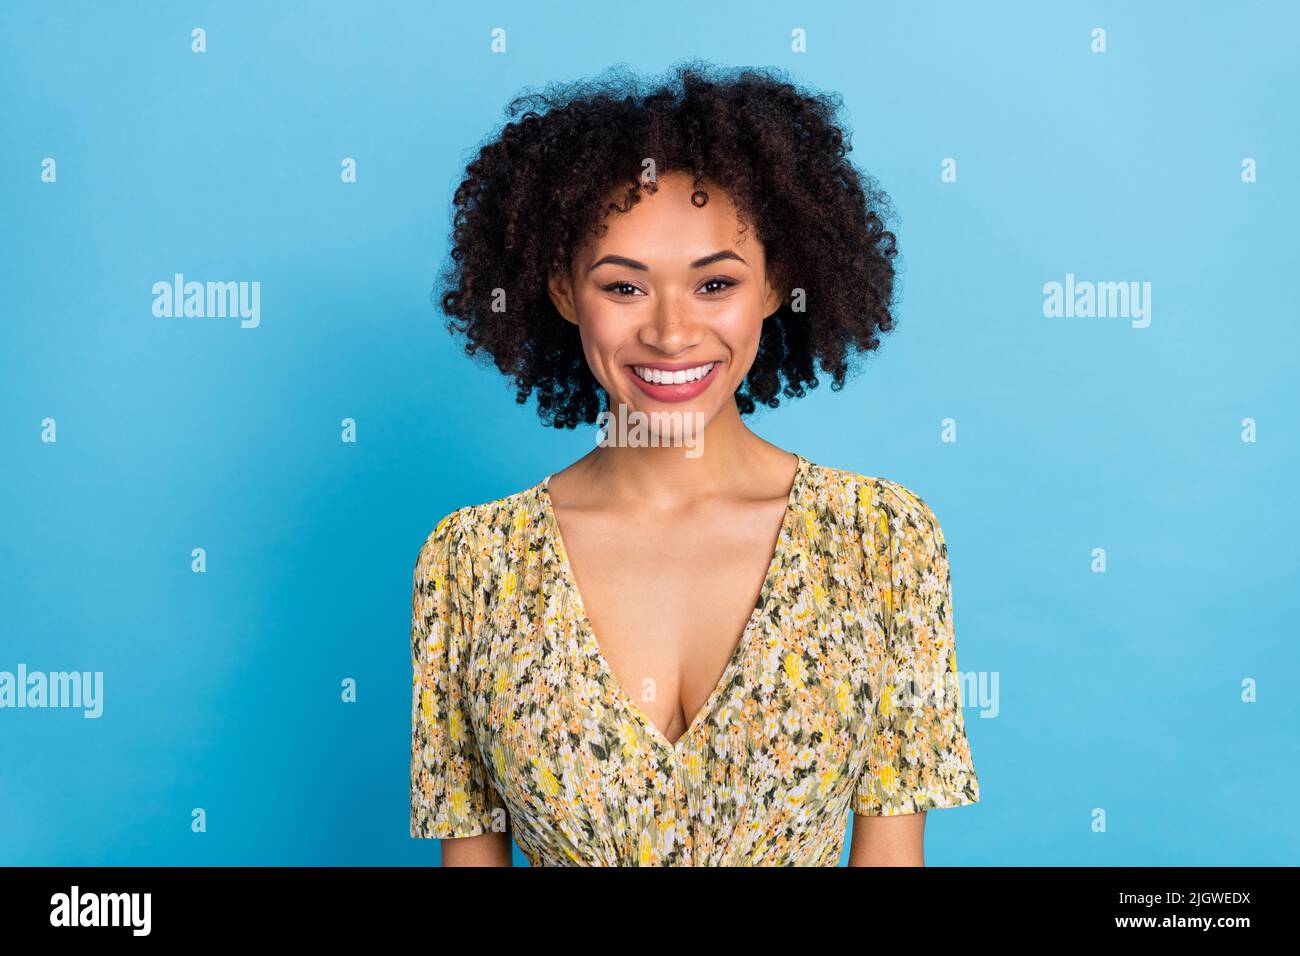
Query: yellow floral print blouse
x=842 y=693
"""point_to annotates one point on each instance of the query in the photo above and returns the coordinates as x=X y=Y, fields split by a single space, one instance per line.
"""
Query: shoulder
x=470 y=528
x=877 y=506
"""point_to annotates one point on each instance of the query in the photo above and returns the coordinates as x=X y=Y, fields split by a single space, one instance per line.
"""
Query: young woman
x=667 y=655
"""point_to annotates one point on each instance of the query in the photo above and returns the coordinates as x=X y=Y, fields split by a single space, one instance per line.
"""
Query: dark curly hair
x=532 y=196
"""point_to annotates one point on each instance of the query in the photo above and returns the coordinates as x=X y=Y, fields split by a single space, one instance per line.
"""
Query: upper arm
x=919 y=757
x=452 y=796
x=486 y=849
x=888 y=841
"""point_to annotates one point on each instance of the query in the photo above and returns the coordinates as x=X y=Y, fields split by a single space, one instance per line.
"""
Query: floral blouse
x=842 y=693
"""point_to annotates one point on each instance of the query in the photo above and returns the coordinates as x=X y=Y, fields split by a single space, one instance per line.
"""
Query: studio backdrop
x=211 y=515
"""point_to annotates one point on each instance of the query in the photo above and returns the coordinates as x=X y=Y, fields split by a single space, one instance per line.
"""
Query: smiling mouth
x=682 y=376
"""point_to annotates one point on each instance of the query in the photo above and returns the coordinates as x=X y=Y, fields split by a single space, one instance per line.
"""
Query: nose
x=672 y=328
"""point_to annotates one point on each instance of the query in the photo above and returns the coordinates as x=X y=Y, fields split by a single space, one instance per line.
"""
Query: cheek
x=602 y=336
x=740 y=326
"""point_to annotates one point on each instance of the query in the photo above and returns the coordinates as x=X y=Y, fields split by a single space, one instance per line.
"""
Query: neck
x=725 y=456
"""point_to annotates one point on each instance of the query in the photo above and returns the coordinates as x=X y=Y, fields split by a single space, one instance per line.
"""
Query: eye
x=719 y=280
x=617 y=287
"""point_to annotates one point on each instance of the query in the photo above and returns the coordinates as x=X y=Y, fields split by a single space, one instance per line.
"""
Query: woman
x=676 y=652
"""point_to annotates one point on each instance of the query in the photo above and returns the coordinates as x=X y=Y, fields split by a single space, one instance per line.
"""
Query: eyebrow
x=697 y=264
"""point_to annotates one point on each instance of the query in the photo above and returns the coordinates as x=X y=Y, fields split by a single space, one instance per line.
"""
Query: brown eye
x=718 y=280
x=619 y=286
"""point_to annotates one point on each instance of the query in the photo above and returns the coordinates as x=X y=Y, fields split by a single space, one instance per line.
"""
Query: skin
x=702 y=529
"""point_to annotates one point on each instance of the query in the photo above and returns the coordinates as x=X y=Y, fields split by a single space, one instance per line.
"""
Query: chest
x=669 y=601
x=683 y=722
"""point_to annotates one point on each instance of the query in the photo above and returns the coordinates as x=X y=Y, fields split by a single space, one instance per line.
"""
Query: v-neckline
x=592 y=646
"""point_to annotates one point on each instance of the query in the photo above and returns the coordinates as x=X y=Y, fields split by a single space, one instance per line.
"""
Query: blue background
x=1119 y=691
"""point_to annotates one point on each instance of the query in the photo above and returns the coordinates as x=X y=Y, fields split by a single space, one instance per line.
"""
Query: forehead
x=665 y=225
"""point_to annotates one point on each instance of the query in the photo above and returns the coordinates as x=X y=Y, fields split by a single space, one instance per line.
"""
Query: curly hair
x=531 y=198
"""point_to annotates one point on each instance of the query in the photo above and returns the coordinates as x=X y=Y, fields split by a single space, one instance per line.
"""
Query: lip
x=673 y=393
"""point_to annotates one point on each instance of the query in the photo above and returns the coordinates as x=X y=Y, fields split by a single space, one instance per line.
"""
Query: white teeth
x=660 y=377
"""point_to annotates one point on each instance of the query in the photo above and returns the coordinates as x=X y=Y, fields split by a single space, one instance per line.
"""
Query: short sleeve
x=919 y=758
x=451 y=795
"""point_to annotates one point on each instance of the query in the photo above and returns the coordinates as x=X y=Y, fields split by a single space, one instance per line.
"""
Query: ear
x=561 y=292
x=774 y=298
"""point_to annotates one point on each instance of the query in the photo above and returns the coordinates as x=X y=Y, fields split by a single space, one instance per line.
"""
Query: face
x=670 y=302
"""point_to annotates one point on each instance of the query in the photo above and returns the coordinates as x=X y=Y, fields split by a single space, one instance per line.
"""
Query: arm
x=486 y=849
x=452 y=796
x=888 y=841
x=919 y=757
